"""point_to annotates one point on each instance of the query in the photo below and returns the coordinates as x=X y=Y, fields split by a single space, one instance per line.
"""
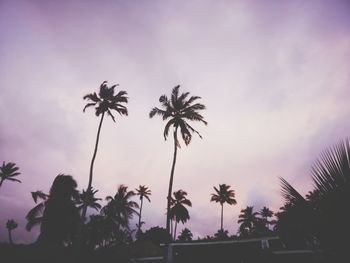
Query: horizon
x=274 y=77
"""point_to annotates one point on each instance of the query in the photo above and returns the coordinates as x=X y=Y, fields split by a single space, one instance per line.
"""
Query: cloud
x=274 y=78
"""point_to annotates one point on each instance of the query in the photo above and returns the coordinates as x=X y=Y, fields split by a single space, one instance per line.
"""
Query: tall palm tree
x=11 y=225
x=35 y=215
x=143 y=192
x=120 y=209
x=178 y=210
x=60 y=219
x=178 y=110
x=248 y=220
x=223 y=195
x=105 y=102
x=8 y=171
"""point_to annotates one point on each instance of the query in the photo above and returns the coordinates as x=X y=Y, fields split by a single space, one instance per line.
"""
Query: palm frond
x=89 y=105
x=92 y=96
x=332 y=170
x=190 y=100
x=111 y=115
x=40 y=195
x=175 y=96
x=290 y=194
x=14 y=180
x=167 y=127
x=156 y=111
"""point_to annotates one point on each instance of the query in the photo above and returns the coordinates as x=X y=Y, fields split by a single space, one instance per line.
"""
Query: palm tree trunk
x=10 y=237
x=222 y=216
x=175 y=229
x=172 y=228
x=140 y=215
x=171 y=183
x=92 y=164
x=2 y=180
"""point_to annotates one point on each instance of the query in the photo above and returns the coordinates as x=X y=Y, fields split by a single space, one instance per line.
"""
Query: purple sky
x=275 y=76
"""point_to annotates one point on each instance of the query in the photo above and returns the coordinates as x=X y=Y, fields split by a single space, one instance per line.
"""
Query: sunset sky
x=274 y=75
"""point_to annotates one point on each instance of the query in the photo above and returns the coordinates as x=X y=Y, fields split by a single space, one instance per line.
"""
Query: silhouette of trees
x=157 y=235
x=143 y=192
x=118 y=212
x=35 y=215
x=265 y=214
x=221 y=234
x=97 y=231
x=185 y=235
x=105 y=102
x=223 y=195
x=8 y=171
x=11 y=225
x=179 y=110
x=87 y=199
x=248 y=220
x=60 y=220
x=178 y=210
x=324 y=213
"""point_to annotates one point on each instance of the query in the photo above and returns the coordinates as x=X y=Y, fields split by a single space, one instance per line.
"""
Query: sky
x=274 y=75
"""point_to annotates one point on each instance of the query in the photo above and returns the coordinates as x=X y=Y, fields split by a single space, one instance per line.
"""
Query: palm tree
x=7 y=172
x=143 y=192
x=120 y=209
x=265 y=214
x=185 y=235
x=105 y=102
x=60 y=219
x=248 y=220
x=223 y=195
x=178 y=210
x=88 y=199
x=179 y=110
x=35 y=215
x=221 y=235
x=11 y=225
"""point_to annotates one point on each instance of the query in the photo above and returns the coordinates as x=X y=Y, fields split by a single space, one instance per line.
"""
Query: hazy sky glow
x=275 y=76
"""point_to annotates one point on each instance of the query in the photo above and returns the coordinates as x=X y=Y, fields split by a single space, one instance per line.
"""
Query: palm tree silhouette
x=180 y=110
x=223 y=195
x=143 y=192
x=88 y=199
x=11 y=225
x=8 y=171
x=248 y=220
x=120 y=209
x=178 y=210
x=265 y=214
x=105 y=102
x=61 y=219
x=185 y=235
x=35 y=215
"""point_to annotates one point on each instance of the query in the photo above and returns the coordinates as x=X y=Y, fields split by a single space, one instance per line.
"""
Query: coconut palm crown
x=8 y=171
